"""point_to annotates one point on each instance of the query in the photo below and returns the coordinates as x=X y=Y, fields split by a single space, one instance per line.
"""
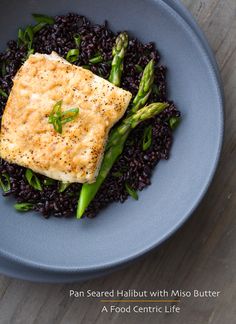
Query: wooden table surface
x=201 y=255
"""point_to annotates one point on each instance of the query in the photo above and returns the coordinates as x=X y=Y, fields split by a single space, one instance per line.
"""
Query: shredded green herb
x=96 y=59
x=117 y=174
x=5 y=183
x=131 y=191
x=24 y=207
x=155 y=89
x=72 y=55
x=147 y=138
x=38 y=27
x=48 y=182
x=63 y=186
x=25 y=38
x=69 y=115
x=57 y=118
x=174 y=122
x=30 y=51
x=43 y=19
x=3 y=94
x=87 y=67
x=138 y=68
x=77 y=39
x=33 y=180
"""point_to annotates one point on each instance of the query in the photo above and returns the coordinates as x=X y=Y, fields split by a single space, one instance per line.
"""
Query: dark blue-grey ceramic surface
x=72 y=249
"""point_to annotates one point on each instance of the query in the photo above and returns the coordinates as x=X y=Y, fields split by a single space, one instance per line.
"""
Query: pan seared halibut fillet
x=28 y=139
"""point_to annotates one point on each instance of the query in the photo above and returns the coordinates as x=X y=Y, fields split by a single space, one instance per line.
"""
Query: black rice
x=135 y=166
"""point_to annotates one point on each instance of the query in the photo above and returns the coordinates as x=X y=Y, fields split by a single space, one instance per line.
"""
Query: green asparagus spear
x=89 y=191
x=120 y=133
x=141 y=98
x=145 y=87
x=122 y=128
x=118 y=53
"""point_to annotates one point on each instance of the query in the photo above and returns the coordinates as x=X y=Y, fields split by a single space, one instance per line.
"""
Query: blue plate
x=64 y=250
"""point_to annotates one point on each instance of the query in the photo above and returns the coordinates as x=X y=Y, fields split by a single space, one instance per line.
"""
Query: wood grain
x=201 y=255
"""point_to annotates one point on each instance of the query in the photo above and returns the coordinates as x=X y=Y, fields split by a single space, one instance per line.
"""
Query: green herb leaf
x=117 y=174
x=56 y=122
x=33 y=179
x=57 y=118
x=5 y=183
x=24 y=207
x=63 y=186
x=49 y=182
x=25 y=37
x=21 y=36
x=147 y=138
x=96 y=59
x=77 y=39
x=69 y=115
x=43 y=19
x=30 y=51
x=73 y=55
x=87 y=67
x=3 y=94
x=155 y=90
x=131 y=191
x=56 y=109
x=174 y=122
x=38 y=27
x=138 y=68
x=29 y=36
